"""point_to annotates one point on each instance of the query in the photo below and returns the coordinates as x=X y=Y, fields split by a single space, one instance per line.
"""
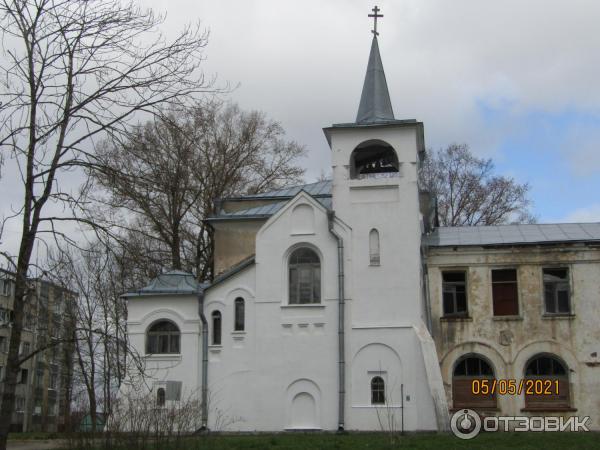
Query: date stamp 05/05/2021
x=512 y=386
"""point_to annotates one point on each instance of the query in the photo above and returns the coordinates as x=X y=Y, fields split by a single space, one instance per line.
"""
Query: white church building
x=332 y=302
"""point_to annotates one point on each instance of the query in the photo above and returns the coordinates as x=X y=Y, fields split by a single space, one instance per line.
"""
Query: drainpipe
x=204 y=419
x=341 y=351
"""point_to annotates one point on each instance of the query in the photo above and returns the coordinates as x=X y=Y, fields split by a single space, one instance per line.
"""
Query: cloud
x=587 y=214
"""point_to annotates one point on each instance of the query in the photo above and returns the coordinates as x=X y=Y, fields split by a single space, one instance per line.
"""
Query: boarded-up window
x=173 y=390
x=547 y=383
x=464 y=394
x=454 y=293
x=505 y=292
x=556 y=291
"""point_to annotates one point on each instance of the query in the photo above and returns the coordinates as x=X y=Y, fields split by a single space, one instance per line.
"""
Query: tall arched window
x=239 y=312
x=216 y=328
x=160 y=397
x=468 y=374
x=377 y=391
x=374 y=247
x=163 y=337
x=547 y=383
x=304 y=277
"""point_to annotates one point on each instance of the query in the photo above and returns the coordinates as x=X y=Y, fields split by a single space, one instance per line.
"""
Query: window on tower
x=374 y=259
x=374 y=159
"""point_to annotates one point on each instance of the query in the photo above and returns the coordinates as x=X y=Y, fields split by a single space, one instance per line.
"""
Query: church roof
x=514 y=234
x=375 y=104
x=320 y=190
x=172 y=282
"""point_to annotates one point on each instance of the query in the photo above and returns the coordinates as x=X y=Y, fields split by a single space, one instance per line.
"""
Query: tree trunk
x=12 y=360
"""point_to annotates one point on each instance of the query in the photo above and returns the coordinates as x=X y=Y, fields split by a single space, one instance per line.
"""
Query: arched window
x=468 y=374
x=374 y=159
x=160 y=397
x=216 y=328
x=304 y=277
x=163 y=337
x=374 y=247
x=377 y=391
x=547 y=383
x=239 y=312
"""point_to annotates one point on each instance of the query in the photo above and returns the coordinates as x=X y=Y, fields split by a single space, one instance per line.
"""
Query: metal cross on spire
x=375 y=16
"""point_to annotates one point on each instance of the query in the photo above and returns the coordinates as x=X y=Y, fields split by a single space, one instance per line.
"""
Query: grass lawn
x=376 y=441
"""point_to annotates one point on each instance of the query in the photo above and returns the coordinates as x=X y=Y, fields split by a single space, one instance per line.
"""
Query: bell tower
x=375 y=190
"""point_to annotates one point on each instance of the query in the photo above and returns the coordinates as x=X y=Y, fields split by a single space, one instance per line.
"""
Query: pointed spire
x=375 y=104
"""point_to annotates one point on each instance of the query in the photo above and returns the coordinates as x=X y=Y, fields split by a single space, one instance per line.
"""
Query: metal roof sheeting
x=375 y=104
x=314 y=189
x=173 y=282
x=264 y=211
x=513 y=234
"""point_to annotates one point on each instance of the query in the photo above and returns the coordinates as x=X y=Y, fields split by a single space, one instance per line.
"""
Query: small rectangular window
x=505 y=292
x=454 y=292
x=556 y=291
x=23 y=377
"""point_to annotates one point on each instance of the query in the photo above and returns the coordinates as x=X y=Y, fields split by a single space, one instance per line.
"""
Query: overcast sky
x=516 y=80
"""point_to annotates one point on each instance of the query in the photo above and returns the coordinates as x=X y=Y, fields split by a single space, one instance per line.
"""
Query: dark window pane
x=544 y=366
x=503 y=275
x=556 y=274
x=486 y=369
x=461 y=368
x=316 y=284
x=558 y=368
x=293 y=285
x=461 y=302
x=152 y=344
x=563 y=301
x=549 y=298
x=174 y=344
x=216 y=316
x=239 y=314
x=377 y=391
x=472 y=366
x=458 y=277
x=163 y=343
x=448 y=303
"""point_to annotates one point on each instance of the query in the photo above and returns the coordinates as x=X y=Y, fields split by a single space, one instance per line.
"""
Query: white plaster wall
x=183 y=311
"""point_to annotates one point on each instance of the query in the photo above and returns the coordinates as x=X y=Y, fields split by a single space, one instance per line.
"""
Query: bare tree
x=168 y=172
x=469 y=193
x=74 y=70
x=100 y=346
